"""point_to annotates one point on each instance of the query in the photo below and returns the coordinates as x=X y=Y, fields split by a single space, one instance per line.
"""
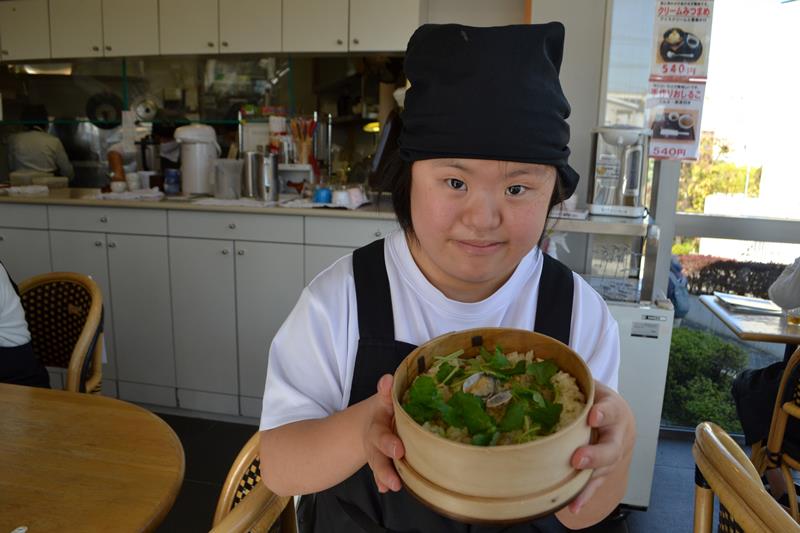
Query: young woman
x=483 y=158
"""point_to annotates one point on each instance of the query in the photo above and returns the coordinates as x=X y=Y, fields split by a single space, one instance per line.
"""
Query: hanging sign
x=682 y=39
x=673 y=111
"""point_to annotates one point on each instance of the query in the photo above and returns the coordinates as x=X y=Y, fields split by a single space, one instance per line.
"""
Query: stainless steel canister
x=253 y=175
x=271 y=181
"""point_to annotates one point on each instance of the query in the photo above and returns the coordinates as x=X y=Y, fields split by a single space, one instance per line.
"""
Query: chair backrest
x=64 y=312
x=246 y=504
x=723 y=469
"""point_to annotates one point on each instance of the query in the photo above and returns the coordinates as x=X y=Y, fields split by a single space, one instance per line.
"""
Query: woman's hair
x=34 y=115
x=395 y=178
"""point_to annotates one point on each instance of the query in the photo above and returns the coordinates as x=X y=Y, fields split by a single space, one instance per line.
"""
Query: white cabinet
x=383 y=25
x=249 y=26
x=315 y=25
x=138 y=268
x=24 y=252
x=318 y=258
x=24 y=31
x=268 y=284
x=85 y=253
x=130 y=28
x=76 y=28
x=204 y=321
x=188 y=26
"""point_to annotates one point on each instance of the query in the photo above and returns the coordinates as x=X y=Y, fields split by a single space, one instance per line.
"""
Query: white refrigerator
x=645 y=332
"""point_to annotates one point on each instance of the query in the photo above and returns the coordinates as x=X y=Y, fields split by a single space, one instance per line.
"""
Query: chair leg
x=703 y=503
x=791 y=493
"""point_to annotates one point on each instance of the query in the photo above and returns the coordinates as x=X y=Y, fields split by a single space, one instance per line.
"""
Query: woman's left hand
x=610 y=456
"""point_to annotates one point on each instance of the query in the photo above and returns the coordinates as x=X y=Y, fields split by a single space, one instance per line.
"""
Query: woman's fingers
x=586 y=494
x=382 y=445
x=385 y=392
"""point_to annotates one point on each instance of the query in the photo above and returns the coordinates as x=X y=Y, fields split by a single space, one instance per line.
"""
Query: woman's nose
x=481 y=213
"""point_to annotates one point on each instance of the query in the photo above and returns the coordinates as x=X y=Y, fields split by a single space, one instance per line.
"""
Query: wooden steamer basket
x=497 y=484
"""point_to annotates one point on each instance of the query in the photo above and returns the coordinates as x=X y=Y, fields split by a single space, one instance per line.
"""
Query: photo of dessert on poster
x=682 y=38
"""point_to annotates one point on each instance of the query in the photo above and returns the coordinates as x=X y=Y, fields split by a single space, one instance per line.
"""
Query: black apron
x=355 y=505
x=19 y=365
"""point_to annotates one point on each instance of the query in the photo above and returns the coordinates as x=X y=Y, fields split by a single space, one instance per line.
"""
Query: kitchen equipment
x=228 y=178
x=253 y=175
x=618 y=172
x=477 y=483
x=270 y=177
x=149 y=155
x=199 y=150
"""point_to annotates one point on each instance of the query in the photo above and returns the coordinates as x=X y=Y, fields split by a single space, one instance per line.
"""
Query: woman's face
x=474 y=220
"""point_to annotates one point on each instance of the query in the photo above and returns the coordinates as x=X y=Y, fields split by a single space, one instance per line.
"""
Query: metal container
x=253 y=175
x=271 y=182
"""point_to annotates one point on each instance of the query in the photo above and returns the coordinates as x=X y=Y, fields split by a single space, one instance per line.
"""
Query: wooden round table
x=80 y=462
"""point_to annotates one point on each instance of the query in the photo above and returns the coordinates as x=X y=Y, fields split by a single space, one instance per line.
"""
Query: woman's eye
x=516 y=190
x=455 y=183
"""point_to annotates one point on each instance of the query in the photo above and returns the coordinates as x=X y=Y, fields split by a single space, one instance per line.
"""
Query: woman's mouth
x=478 y=247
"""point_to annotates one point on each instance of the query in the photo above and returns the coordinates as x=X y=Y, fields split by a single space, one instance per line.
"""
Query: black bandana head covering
x=487 y=93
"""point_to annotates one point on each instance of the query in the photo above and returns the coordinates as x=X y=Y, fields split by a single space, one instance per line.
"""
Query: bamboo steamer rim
x=580 y=418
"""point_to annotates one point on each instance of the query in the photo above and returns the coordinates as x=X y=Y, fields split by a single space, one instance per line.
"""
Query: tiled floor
x=211 y=446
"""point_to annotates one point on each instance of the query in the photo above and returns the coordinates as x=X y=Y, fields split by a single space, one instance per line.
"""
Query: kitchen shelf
x=601 y=225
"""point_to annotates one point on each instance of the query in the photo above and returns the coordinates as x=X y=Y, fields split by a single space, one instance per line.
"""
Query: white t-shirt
x=13 y=328
x=312 y=357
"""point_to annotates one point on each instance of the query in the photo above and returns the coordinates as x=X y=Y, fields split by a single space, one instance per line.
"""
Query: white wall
x=477 y=12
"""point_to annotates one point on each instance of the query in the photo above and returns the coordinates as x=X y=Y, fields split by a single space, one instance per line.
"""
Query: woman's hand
x=610 y=456
x=381 y=444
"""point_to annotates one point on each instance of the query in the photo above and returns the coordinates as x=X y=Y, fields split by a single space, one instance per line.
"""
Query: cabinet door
x=130 y=28
x=249 y=26
x=268 y=284
x=74 y=251
x=24 y=252
x=24 y=30
x=318 y=258
x=204 y=314
x=138 y=268
x=188 y=26
x=314 y=25
x=383 y=25
x=76 y=28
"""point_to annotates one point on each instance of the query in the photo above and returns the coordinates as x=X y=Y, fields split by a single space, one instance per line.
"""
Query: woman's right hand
x=381 y=444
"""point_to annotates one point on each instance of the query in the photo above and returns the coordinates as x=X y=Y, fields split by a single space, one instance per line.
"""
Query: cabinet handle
x=224 y=43
x=98 y=243
x=339 y=41
x=2 y=238
x=95 y=48
x=104 y=219
x=112 y=245
x=355 y=41
x=108 y=48
x=240 y=252
x=232 y=225
x=210 y=44
x=378 y=233
x=5 y=52
x=225 y=252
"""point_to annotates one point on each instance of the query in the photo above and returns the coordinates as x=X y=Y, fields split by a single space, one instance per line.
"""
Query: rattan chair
x=64 y=311
x=247 y=505
x=723 y=469
x=779 y=452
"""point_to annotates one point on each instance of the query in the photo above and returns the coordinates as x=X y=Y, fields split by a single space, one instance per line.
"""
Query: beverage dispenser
x=619 y=171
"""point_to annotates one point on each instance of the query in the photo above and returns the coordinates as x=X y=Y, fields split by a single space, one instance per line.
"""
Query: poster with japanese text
x=682 y=39
x=673 y=111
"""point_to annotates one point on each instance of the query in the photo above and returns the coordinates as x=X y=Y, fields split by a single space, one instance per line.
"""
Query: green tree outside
x=711 y=173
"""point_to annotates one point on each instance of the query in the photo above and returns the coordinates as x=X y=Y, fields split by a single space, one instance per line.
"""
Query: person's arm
x=785 y=291
x=313 y=455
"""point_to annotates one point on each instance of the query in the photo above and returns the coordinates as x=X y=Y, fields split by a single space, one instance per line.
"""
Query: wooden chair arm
x=256 y=512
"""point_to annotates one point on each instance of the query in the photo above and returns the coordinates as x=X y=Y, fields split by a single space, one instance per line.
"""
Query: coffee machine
x=619 y=171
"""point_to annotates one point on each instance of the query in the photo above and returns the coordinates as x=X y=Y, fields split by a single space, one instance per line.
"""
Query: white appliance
x=645 y=333
x=199 y=150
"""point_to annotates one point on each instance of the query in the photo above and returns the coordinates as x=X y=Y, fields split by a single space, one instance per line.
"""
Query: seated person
x=35 y=149
x=754 y=390
x=18 y=364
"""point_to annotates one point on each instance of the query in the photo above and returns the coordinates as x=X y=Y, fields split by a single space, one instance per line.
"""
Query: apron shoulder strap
x=14 y=285
x=373 y=295
x=554 y=305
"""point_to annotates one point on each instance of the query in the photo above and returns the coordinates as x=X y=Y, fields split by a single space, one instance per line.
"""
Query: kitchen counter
x=86 y=198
